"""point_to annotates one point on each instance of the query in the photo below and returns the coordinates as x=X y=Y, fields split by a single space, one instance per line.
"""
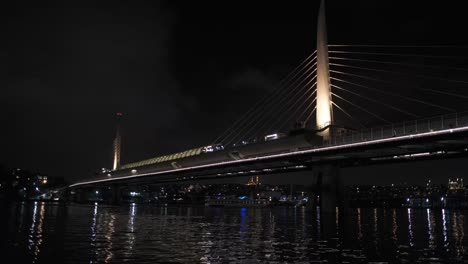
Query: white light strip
x=316 y=150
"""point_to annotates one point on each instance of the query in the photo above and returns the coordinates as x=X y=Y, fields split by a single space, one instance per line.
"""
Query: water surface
x=37 y=232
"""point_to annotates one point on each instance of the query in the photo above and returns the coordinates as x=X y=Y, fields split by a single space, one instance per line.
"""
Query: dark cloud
x=251 y=79
x=75 y=69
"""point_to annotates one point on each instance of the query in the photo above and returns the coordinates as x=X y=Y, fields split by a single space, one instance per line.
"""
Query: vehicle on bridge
x=212 y=148
x=274 y=136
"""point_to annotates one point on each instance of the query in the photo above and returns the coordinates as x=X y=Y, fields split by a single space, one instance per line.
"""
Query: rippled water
x=52 y=233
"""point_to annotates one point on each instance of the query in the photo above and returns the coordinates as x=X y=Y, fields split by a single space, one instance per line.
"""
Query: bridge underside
x=409 y=149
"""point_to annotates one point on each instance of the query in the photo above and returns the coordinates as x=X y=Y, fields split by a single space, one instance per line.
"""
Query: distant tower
x=117 y=142
x=324 y=115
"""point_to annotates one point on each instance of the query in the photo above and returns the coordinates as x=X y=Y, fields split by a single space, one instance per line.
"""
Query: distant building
x=253 y=182
x=456 y=184
x=41 y=179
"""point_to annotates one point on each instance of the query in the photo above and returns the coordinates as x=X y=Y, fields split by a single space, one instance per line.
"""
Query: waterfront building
x=456 y=184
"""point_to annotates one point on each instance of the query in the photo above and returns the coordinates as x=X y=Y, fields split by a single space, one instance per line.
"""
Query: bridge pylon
x=324 y=114
x=116 y=145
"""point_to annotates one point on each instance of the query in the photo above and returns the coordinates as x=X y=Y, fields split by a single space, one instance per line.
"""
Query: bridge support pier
x=116 y=197
x=327 y=186
x=327 y=202
x=63 y=195
x=78 y=196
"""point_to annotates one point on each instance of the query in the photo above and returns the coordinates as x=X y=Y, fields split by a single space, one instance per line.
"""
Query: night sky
x=180 y=73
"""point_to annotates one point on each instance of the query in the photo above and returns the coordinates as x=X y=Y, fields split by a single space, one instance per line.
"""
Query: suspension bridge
x=372 y=104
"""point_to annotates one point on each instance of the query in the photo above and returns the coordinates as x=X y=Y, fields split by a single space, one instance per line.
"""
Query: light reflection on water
x=410 y=227
x=35 y=232
x=430 y=228
x=394 y=226
x=359 y=223
x=44 y=233
x=444 y=230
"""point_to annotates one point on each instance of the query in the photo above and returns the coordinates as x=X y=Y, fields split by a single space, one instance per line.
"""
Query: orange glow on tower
x=117 y=143
x=324 y=115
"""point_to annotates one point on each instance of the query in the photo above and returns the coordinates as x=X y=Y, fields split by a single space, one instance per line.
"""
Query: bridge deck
x=439 y=137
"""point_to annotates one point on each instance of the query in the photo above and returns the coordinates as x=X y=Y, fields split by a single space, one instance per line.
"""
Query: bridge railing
x=401 y=129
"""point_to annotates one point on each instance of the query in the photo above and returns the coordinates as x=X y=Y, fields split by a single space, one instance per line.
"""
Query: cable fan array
x=387 y=82
x=291 y=101
x=371 y=85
